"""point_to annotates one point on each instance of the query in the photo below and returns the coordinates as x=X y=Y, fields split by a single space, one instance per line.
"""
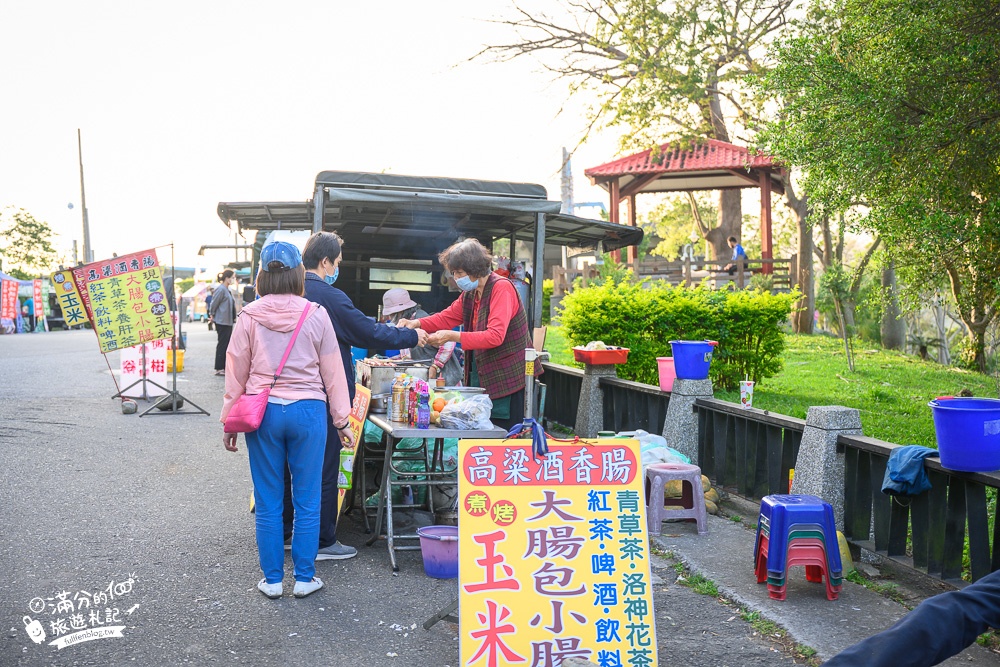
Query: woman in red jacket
x=495 y=329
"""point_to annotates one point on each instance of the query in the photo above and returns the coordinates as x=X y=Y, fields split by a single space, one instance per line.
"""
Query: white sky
x=186 y=104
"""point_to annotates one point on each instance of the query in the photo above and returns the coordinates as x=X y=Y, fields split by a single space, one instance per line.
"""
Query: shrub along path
x=891 y=389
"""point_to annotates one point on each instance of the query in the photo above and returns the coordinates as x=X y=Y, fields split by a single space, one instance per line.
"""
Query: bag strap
x=298 y=327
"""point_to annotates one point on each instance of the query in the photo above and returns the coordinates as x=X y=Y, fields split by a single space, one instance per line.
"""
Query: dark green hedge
x=646 y=317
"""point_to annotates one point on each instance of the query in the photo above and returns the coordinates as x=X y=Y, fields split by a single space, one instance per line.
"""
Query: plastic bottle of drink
x=411 y=414
x=423 y=410
x=398 y=401
x=344 y=479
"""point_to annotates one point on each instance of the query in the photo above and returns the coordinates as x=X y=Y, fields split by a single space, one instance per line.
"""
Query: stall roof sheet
x=368 y=206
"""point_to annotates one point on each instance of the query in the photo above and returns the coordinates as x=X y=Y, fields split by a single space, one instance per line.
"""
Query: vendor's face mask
x=466 y=284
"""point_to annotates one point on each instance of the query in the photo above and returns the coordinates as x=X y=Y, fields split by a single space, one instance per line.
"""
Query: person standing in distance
x=223 y=313
x=322 y=257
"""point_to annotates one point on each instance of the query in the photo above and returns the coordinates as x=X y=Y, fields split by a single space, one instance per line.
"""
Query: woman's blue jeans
x=296 y=434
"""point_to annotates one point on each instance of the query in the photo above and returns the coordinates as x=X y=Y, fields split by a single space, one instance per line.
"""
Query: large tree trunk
x=893 y=328
x=977 y=340
x=850 y=307
x=802 y=318
x=944 y=355
x=730 y=223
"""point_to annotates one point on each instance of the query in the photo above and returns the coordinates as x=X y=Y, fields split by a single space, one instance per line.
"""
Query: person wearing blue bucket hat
x=309 y=381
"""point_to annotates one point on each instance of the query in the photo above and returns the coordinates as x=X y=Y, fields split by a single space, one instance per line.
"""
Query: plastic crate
x=612 y=355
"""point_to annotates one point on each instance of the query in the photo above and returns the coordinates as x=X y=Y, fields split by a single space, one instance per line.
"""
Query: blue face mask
x=466 y=284
x=331 y=279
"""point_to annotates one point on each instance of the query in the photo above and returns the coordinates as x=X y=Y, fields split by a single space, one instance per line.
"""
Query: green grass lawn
x=890 y=389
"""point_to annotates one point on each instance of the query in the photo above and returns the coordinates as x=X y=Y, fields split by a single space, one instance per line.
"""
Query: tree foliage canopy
x=659 y=70
x=895 y=104
x=26 y=245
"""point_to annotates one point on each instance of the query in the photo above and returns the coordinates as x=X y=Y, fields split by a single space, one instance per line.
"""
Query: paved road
x=91 y=498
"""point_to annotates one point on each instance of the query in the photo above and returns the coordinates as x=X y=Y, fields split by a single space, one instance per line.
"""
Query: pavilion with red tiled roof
x=709 y=165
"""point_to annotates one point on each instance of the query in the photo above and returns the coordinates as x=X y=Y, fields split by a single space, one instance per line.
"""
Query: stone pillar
x=680 y=428
x=590 y=410
x=819 y=469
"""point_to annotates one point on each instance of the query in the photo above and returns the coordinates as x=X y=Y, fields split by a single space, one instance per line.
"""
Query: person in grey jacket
x=223 y=313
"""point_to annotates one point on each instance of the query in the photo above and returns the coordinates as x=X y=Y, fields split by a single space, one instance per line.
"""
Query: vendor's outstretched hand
x=439 y=338
x=409 y=324
x=422 y=337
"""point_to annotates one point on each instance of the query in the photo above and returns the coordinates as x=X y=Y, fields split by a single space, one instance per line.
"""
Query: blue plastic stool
x=783 y=515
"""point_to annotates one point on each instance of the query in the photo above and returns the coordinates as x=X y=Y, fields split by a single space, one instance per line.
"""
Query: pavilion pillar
x=616 y=200
x=633 y=220
x=765 y=220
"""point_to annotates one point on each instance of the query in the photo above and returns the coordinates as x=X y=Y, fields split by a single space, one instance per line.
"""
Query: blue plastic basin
x=968 y=433
x=692 y=358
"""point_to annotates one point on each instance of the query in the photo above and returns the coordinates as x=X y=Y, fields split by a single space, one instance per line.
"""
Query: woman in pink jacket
x=294 y=426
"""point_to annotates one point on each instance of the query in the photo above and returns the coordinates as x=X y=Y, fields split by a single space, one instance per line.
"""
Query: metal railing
x=630 y=406
x=748 y=451
x=929 y=532
x=562 y=394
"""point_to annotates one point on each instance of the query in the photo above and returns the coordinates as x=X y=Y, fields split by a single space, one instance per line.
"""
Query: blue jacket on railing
x=905 y=474
x=354 y=327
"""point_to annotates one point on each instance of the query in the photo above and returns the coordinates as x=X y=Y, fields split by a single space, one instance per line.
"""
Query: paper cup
x=746 y=393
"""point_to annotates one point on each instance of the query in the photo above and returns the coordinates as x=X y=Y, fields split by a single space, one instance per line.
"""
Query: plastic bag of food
x=468 y=414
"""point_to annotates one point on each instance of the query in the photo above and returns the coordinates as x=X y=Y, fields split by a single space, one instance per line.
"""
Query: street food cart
x=393 y=228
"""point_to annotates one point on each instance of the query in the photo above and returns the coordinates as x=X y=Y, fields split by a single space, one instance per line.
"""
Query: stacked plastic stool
x=691 y=504
x=797 y=530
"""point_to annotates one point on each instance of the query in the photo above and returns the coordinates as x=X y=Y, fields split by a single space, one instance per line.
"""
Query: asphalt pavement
x=147 y=519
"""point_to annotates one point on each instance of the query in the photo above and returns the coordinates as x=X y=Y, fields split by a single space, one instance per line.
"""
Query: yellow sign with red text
x=359 y=412
x=123 y=298
x=553 y=555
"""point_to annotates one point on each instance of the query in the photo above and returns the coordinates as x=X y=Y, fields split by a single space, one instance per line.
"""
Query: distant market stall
x=12 y=318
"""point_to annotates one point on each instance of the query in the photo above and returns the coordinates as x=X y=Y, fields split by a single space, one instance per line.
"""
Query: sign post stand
x=174 y=397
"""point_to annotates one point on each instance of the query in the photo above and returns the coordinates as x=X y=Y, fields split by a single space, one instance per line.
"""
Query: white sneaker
x=304 y=588
x=272 y=591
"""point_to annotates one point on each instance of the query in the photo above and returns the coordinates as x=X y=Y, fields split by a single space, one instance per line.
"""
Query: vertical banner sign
x=553 y=555
x=125 y=299
x=70 y=301
x=39 y=301
x=133 y=369
x=359 y=411
x=8 y=299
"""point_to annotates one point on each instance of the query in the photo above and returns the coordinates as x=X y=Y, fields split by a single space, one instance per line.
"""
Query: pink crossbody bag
x=248 y=411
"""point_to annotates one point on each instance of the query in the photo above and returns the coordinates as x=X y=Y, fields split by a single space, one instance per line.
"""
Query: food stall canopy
x=368 y=210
